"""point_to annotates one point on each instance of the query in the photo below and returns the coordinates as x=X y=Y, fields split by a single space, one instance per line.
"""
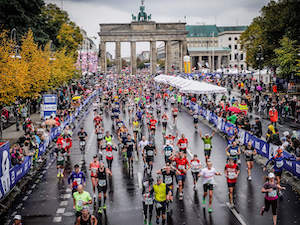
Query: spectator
x=273 y=113
x=257 y=128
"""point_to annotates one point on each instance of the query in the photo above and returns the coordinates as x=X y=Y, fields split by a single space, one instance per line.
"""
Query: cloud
x=89 y=13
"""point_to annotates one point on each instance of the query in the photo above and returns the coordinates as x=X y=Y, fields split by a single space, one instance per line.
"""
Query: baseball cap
x=17 y=217
x=271 y=175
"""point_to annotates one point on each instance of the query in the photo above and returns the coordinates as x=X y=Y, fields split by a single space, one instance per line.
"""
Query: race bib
x=82 y=143
x=233 y=152
x=231 y=175
x=181 y=167
x=183 y=145
x=158 y=205
x=279 y=164
x=109 y=154
x=207 y=146
x=272 y=194
x=78 y=180
x=102 y=183
x=248 y=152
x=60 y=158
x=79 y=203
x=148 y=200
x=168 y=152
x=168 y=180
x=150 y=153
x=94 y=170
x=100 y=136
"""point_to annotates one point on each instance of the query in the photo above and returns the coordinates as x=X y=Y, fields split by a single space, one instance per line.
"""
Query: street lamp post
x=259 y=58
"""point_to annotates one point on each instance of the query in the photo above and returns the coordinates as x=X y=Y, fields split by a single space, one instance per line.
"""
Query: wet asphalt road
x=50 y=200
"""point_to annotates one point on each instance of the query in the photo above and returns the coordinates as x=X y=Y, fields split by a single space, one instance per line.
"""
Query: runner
x=182 y=144
x=129 y=150
x=86 y=218
x=182 y=165
x=167 y=152
x=94 y=166
x=164 y=119
x=60 y=160
x=196 y=120
x=148 y=199
x=233 y=152
x=148 y=155
x=278 y=160
x=231 y=172
x=102 y=173
x=168 y=174
x=195 y=169
x=77 y=177
x=270 y=189
x=161 y=195
x=249 y=152
x=207 y=144
x=207 y=175
x=174 y=114
x=80 y=199
x=109 y=154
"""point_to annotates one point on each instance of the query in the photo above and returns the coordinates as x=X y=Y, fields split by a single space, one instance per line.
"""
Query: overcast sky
x=89 y=13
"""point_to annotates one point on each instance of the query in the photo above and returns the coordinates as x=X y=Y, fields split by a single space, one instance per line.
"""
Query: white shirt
x=142 y=144
x=208 y=175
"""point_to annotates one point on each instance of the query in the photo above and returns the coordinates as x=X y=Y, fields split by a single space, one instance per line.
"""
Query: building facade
x=215 y=47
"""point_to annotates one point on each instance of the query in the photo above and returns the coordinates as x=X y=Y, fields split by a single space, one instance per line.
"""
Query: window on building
x=229 y=46
x=230 y=57
x=242 y=56
x=235 y=38
x=235 y=46
x=235 y=56
x=229 y=39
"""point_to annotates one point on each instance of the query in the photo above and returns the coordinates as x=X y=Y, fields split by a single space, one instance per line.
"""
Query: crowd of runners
x=134 y=137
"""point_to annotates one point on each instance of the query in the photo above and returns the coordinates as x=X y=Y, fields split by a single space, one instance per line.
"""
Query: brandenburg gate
x=142 y=29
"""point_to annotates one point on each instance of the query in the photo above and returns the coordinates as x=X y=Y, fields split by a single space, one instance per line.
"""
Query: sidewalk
x=12 y=135
x=265 y=122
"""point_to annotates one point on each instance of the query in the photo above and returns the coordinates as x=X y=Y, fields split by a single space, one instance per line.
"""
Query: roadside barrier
x=263 y=148
x=11 y=175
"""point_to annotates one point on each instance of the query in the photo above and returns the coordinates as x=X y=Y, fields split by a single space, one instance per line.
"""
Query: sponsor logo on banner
x=298 y=169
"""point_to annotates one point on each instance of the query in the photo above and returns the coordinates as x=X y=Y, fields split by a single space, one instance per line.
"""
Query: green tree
x=286 y=57
x=278 y=18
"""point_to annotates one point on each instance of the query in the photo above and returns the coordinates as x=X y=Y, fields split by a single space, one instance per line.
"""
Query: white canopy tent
x=189 y=86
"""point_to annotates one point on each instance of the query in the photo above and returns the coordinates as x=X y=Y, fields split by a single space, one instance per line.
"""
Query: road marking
x=33 y=186
x=19 y=206
x=63 y=203
x=25 y=198
x=60 y=210
x=14 y=213
x=29 y=192
x=188 y=151
x=140 y=179
x=236 y=214
x=40 y=176
x=57 y=219
x=66 y=196
x=44 y=171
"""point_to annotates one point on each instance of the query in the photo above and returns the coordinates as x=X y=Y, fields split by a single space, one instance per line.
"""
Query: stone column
x=103 y=56
x=168 y=57
x=180 y=58
x=219 y=61
x=118 y=57
x=209 y=63
x=184 y=52
x=133 y=57
x=153 y=57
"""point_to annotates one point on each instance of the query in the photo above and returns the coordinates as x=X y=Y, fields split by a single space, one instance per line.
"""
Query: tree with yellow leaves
x=38 y=61
x=13 y=72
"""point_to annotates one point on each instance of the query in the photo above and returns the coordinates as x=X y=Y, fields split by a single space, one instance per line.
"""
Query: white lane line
x=90 y=140
x=140 y=179
x=189 y=152
x=236 y=214
x=57 y=219
x=25 y=198
x=60 y=210
x=66 y=196
x=63 y=203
